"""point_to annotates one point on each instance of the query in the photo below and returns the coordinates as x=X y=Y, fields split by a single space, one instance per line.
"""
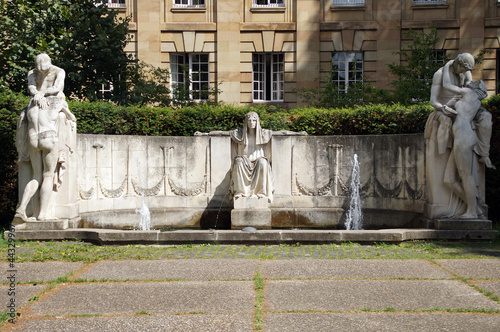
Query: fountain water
x=354 y=218
x=145 y=221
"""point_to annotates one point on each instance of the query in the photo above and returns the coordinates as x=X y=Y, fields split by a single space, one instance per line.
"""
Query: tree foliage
x=418 y=64
x=86 y=40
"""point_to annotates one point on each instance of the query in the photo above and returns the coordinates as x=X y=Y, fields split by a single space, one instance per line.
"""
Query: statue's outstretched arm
x=447 y=83
x=288 y=133
x=213 y=133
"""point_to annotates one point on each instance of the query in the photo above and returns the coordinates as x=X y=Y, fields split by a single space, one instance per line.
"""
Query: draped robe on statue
x=251 y=170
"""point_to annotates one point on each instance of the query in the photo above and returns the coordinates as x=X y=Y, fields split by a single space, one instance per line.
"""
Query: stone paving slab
x=152 y=297
x=338 y=269
x=41 y=271
x=22 y=294
x=186 y=269
x=473 y=268
x=199 y=323
x=342 y=295
x=490 y=285
x=327 y=322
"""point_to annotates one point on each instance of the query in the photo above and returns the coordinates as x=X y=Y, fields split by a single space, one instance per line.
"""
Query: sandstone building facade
x=266 y=50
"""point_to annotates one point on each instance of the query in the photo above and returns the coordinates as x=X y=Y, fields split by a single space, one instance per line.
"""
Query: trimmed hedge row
x=107 y=118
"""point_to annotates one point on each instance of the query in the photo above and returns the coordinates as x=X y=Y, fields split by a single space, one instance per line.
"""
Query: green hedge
x=107 y=118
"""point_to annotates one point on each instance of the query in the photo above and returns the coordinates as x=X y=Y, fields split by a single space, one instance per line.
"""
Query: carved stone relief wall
x=182 y=178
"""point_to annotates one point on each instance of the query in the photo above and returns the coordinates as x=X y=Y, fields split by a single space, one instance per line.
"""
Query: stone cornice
x=268 y=26
x=188 y=26
x=421 y=24
x=349 y=25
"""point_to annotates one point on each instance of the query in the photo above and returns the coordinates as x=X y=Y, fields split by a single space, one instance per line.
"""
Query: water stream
x=354 y=218
x=145 y=215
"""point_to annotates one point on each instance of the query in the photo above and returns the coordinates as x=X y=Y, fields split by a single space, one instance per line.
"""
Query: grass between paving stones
x=470 y=283
x=259 y=301
x=73 y=251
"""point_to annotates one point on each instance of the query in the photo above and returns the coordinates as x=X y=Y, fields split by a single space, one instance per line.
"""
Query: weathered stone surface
x=154 y=297
x=345 y=295
x=46 y=225
x=298 y=322
x=475 y=269
x=186 y=180
x=213 y=269
x=108 y=236
x=41 y=271
x=492 y=286
x=258 y=218
x=463 y=224
x=352 y=269
x=192 y=322
x=22 y=294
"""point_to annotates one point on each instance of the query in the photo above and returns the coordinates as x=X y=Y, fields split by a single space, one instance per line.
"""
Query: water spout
x=145 y=221
x=145 y=215
x=354 y=218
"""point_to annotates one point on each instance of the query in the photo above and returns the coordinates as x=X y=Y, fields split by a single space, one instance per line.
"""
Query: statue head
x=480 y=88
x=42 y=62
x=252 y=120
x=466 y=61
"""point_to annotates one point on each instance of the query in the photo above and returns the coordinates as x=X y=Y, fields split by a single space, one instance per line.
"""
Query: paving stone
x=41 y=271
x=342 y=295
x=22 y=294
x=327 y=322
x=360 y=268
x=473 y=268
x=152 y=297
x=489 y=285
x=201 y=323
x=189 y=269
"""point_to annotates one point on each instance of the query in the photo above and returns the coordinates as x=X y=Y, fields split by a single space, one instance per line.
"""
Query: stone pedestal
x=54 y=224
x=251 y=212
x=462 y=224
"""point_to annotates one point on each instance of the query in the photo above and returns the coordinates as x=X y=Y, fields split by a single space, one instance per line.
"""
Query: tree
x=86 y=40
x=420 y=62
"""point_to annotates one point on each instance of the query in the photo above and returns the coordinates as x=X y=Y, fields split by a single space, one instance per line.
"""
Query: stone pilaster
x=308 y=44
x=228 y=49
x=148 y=32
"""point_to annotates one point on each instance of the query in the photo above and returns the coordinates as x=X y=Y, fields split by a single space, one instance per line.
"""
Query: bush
x=10 y=106
x=493 y=176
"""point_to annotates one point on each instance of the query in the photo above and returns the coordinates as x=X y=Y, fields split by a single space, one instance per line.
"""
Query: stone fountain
x=250 y=176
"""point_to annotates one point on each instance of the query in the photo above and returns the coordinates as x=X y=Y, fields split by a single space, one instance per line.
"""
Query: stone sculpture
x=251 y=152
x=457 y=135
x=45 y=138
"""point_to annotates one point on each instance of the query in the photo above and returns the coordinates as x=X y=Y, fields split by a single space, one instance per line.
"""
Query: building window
x=439 y=57
x=189 y=3
x=190 y=76
x=268 y=77
x=348 y=3
x=268 y=3
x=429 y=2
x=347 y=68
x=111 y=3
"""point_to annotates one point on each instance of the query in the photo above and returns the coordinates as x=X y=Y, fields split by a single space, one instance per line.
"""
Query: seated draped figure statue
x=251 y=151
